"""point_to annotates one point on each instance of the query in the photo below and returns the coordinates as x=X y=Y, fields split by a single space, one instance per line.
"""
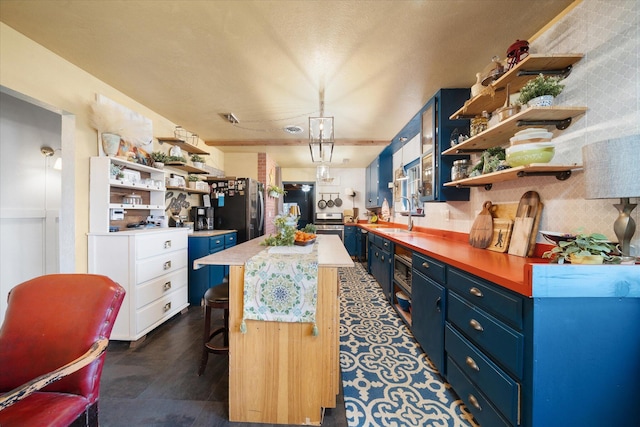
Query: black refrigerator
x=239 y=205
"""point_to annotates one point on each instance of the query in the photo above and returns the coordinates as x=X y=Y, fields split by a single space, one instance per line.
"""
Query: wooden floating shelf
x=189 y=148
x=494 y=95
x=561 y=172
x=128 y=206
x=185 y=167
x=188 y=190
x=503 y=131
x=119 y=184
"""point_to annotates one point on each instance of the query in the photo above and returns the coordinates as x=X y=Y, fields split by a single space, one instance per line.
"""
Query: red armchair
x=52 y=344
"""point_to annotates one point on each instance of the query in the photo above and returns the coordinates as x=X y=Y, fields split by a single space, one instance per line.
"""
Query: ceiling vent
x=293 y=129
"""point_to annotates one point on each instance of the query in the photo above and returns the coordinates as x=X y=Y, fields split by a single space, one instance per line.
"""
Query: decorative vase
x=198 y=165
x=274 y=194
x=158 y=165
x=110 y=143
x=193 y=184
x=586 y=259
x=541 y=101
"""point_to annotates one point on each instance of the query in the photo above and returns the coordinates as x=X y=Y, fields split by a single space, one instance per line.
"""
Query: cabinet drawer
x=430 y=267
x=160 y=243
x=385 y=244
x=161 y=309
x=477 y=403
x=150 y=291
x=502 y=343
x=230 y=240
x=501 y=304
x=496 y=385
x=216 y=244
x=375 y=240
x=151 y=268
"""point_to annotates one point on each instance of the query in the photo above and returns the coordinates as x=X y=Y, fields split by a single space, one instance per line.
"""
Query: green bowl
x=526 y=157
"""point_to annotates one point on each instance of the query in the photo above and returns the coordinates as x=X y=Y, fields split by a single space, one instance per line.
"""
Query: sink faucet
x=410 y=224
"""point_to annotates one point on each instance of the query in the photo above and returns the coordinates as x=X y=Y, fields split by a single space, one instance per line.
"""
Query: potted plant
x=275 y=191
x=193 y=179
x=176 y=159
x=583 y=248
x=159 y=159
x=197 y=161
x=539 y=92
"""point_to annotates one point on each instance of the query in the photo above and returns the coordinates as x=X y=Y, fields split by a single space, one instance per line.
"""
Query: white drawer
x=151 y=268
x=161 y=309
x=160 y=243
x=150 y=291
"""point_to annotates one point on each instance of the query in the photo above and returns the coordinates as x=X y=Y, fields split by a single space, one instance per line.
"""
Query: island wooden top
x=331 y=253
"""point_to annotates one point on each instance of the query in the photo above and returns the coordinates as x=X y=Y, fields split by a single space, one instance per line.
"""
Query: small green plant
x=116 y=171
x=286 y=225
x=582 y=245
x=159 y=156
x=193 y=178
x=197 y=159
x=540 y=86
x=275 y=191
x=310 y=228
x=177 y=159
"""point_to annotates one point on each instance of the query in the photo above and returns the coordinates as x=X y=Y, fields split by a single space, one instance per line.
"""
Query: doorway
x=303 y=194
x=37 y=224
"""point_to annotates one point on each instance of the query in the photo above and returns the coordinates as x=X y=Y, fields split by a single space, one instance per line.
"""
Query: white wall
x=241 y=165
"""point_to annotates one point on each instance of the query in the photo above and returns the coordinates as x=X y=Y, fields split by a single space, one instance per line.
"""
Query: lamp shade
x=612 y=168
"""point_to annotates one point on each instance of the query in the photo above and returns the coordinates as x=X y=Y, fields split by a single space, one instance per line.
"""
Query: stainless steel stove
x=330 y=223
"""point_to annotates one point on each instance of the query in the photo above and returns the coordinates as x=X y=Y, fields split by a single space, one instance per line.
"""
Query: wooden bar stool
x=215 y=297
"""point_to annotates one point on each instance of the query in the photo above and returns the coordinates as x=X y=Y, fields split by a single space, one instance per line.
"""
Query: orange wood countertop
x=453 y=248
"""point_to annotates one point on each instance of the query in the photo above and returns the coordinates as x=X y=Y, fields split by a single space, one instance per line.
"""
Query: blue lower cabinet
x=427 y=317
x=203 y=278
x=350 y=241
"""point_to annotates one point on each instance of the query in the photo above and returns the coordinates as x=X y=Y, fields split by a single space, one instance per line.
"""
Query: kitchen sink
x=395 y=230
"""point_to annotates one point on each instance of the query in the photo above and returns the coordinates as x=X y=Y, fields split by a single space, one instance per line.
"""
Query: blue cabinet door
x=198 y=279
x=427 y=316
x=350 y=241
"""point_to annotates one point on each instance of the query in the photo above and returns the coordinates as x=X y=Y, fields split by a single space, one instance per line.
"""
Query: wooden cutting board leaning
x=482 y=228
x=501 y=235
x=525 y=225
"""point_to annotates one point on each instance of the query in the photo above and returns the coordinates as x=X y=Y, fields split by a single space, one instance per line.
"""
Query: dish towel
x=281 y=285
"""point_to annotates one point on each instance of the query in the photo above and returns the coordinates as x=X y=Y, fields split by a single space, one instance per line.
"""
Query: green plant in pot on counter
x=583 y=248
x=286 y=226
x=159 y=158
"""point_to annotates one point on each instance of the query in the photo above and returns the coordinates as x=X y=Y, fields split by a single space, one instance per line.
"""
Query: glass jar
x=478 y=124
x=460 y=169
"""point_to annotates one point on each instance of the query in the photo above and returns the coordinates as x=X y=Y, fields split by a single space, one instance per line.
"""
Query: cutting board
x=482 y=228
x=527 y=215
x=501 y=235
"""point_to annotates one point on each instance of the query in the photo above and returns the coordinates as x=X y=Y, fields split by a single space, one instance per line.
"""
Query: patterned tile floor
x=386 y=377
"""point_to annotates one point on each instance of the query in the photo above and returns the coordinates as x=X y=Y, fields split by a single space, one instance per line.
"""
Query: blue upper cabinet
x=379 y=175
x=436 y=129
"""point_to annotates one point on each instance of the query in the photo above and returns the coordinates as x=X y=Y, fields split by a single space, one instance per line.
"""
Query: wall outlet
x=445 y=214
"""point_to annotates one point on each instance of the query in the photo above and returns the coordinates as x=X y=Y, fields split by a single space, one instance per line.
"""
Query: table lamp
x=612 y=170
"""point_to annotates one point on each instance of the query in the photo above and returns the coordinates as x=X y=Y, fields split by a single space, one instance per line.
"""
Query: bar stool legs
x=216 y=297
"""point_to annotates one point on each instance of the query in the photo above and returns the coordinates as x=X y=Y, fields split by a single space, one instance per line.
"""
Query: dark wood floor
x=156 y=383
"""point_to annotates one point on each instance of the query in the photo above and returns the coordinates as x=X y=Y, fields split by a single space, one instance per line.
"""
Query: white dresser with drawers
x=152 y=267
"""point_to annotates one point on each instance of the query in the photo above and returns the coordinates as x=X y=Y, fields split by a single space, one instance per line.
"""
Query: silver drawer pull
x=385 y=244
x=474 y=402
x=476 y=325
x=472 y=364
x=167 y=244
x=167 y=286
x=167 y=307
x=166 y=265
x=382 y=257
x=476 y=292
x=376 y=254
x=425 y=265
x=439 y=304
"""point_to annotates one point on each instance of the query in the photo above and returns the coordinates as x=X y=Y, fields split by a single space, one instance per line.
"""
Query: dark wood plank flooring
x=156 y=383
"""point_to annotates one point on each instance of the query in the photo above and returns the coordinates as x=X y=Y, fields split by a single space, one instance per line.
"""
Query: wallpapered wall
x=606 y=81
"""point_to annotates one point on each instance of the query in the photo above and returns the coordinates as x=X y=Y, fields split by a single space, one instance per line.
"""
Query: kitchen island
x=280 y=373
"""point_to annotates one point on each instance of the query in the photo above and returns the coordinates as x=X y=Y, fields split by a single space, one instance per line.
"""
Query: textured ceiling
x=375 y=63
